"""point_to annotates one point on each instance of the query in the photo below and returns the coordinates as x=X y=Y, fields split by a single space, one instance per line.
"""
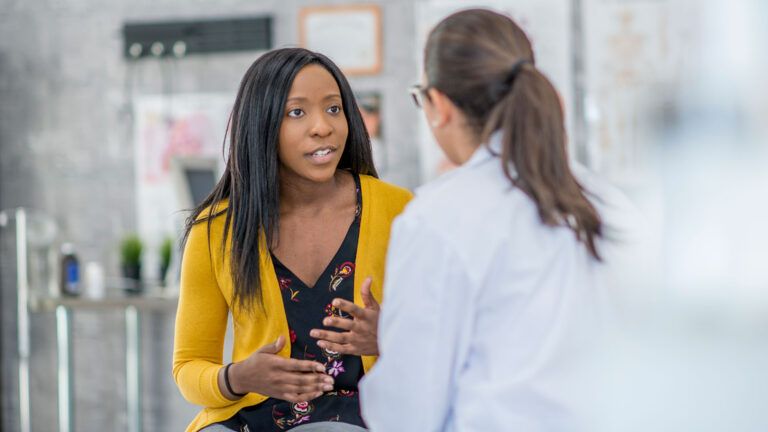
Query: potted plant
x=130 y=261
x=166 y=251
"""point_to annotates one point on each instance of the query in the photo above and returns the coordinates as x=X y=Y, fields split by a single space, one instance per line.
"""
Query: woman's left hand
x=359 y=335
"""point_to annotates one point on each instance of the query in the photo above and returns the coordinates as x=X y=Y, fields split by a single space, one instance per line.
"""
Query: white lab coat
x=488 y=313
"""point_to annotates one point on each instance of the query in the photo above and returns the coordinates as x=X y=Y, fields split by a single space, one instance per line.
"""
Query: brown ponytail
x=484 y=63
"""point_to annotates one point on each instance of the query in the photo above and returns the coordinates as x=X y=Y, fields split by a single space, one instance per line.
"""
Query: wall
x=66 y=149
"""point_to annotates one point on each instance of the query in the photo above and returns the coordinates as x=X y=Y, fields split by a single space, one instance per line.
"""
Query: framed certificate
x=348 y=35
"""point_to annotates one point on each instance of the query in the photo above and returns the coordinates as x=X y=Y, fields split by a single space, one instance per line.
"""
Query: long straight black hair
x=250 y=180
x=484 y=63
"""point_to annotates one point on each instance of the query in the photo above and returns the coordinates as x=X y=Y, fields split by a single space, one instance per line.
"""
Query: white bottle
x=94 y=280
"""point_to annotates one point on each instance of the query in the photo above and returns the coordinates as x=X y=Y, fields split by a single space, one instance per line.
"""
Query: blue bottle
x=70 y=271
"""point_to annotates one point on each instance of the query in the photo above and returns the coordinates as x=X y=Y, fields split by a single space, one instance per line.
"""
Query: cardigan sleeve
x=201 y=322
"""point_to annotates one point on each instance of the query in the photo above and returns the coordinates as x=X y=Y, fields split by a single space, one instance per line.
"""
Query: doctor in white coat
x=493 y=280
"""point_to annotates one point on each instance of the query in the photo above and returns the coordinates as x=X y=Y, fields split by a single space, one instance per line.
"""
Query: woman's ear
x=439 y=109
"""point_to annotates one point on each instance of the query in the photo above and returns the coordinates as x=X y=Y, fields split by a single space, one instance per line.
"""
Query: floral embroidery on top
x=342 y=392
x=308 y=355
x=333 y=311
x=285 y=283
x=342 y=272
x=330 y=355
x=294 y=294
x=336 y=368
x=300 y=412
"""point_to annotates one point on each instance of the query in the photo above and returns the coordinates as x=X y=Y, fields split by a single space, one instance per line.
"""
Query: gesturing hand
x=267 y=373
x=359 y=337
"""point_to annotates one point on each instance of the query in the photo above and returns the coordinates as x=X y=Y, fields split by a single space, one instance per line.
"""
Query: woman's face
x=314 y=128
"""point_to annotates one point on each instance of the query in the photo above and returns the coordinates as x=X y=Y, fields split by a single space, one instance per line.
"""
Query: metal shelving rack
x=29 y=303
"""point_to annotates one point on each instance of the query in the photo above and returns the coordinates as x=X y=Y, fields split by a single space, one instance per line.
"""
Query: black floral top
x=305 y=309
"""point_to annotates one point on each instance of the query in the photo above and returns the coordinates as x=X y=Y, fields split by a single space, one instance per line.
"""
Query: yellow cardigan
x=206 y=299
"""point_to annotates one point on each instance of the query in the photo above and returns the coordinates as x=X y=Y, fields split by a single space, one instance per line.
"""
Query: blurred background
x=112 y=119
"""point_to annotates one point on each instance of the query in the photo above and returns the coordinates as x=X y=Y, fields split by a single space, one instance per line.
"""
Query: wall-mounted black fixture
x=182 y=38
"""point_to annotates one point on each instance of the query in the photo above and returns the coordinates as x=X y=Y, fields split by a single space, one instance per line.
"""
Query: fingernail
x=313 y=333
x=336 y=302
x=329 y=381
x=327 y=387
x=327 y=321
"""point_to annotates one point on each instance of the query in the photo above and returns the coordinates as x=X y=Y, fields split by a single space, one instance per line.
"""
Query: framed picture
x=369 y=103
x=348 y=35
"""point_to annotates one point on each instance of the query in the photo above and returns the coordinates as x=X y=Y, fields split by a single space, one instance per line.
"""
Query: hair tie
x=516 y=68
x=228 y=384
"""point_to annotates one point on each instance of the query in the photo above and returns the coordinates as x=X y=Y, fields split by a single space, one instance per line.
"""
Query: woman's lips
x=322 y=156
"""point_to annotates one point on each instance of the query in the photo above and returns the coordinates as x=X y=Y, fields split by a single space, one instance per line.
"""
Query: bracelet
x=229 y=386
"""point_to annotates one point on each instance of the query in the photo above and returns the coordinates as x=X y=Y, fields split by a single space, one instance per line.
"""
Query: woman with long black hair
x=284 y=244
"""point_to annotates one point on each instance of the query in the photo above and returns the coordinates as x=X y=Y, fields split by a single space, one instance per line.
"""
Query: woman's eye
x=334 y=109
x=295 y=113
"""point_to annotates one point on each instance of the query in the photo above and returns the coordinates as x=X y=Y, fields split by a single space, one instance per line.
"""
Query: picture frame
x=350 y=35
x=371 y=107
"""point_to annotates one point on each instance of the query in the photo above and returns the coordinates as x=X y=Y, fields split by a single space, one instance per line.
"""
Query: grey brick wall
x=66 y=149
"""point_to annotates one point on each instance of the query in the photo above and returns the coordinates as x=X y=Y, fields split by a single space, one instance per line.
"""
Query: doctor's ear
x=439 y=108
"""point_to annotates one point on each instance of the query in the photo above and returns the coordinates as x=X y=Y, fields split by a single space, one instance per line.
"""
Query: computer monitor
x=194 y=178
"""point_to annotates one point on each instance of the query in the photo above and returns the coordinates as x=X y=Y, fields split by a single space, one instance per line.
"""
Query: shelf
x=141 y=302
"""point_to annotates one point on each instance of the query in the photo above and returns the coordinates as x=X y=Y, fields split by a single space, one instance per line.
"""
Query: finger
x=349 y=307
x=274 y=347
x=294 y=365
x=337 y=347
x=314 y=387
x=365 y=292
x=304 y=379
x=309 y=381
x=339 y=323
x=330 y=336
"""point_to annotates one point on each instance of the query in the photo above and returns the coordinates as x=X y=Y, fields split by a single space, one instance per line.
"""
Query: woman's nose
x=321 y=127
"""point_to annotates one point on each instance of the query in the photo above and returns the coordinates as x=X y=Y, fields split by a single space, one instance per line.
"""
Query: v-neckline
x=356 y=220
x=330 y=264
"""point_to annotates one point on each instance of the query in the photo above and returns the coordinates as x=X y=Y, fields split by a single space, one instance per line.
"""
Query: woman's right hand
x=269 y=374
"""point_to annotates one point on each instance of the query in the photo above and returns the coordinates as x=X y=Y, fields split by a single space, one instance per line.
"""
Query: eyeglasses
x=419 y=93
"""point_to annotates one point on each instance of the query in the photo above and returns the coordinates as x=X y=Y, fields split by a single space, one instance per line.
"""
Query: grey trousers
x=311 y=427
x=215 y=428
x=328 y=427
